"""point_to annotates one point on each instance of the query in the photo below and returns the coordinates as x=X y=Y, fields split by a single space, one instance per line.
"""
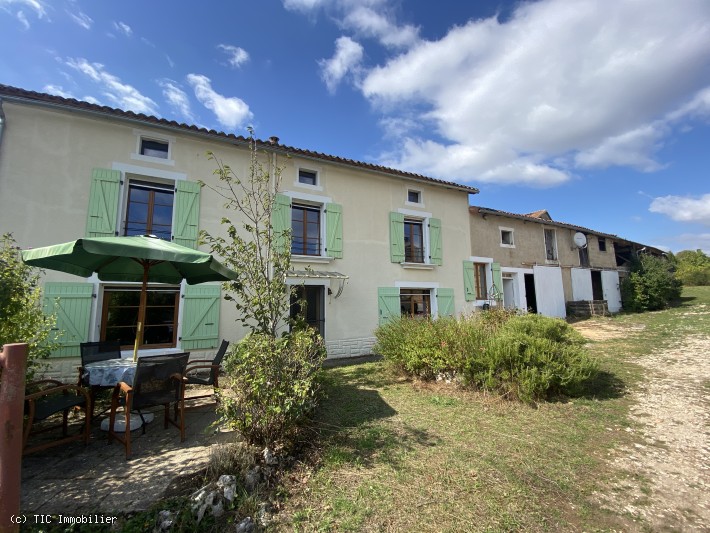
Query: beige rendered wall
x=47 y=156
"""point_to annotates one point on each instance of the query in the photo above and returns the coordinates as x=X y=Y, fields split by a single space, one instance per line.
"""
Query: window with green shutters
x=403 y=244
x=72 y=304
x=303 y=222
x=103 y=203
x=496 y=289
x=200 y=317
x=334 y=230
x=388 y=303
x=469 y=286
x=187 y=213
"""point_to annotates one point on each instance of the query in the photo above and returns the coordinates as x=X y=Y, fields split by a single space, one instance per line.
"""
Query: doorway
x=509 y=293
x=597 y=288
x=313 y=298
x=530 y=292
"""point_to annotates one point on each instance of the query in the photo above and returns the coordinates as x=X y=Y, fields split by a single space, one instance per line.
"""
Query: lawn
x=397 y=455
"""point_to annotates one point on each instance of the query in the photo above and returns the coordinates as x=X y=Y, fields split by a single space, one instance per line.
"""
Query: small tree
x=693 y=267
x=21 y=316
x=651 y=285
x=273 y=383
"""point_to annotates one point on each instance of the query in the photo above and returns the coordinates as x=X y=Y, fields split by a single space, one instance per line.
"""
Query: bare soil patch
x=665 y=480
x=601 y=331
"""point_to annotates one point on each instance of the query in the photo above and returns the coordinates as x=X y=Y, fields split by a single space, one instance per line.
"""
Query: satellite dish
x=580 y=240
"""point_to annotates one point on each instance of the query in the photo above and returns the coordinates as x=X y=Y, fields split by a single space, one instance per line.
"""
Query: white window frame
x=142 y=135
x=420 y=203
x=312 y=200
x=319 y=175
x=424 y=217
x=501 y=229
x=554 y=243
x=431 y=286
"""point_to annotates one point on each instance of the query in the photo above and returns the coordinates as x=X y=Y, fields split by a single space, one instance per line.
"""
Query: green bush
x=651 y=285
x=529 y=357
x=272 y=385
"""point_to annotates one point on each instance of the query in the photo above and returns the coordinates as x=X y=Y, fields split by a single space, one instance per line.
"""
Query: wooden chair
x=206 y=372
x=158 y=381
x=46 y=398
x=92 y=352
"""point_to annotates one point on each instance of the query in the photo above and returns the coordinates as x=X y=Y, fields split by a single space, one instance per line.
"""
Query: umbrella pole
x=141 y=310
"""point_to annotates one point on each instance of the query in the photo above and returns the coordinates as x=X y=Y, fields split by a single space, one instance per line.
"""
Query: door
x=582 y=284
x=313 y=298
x=610 y=288
x=509 y=293
x=549 y=291
x=530 y=293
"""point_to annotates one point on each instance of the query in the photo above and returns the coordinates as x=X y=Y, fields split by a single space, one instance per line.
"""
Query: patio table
x=109 y=372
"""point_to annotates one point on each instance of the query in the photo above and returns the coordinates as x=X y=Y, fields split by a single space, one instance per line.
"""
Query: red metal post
x=13 y=361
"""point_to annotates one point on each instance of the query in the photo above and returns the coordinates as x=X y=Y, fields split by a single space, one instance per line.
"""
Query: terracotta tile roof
x=529 y=217
x=542 y=214
x=14 y=94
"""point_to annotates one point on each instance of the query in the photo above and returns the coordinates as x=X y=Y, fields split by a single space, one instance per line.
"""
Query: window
x=550 y=245
x=602 y=244
x=120 y=315
x=506 y=237
x=584 y=257
x=413 y=241
x=305 y=230
x=414 y=197
x=153 y=148
x=149 y=209
x=307 y=177
x=415 y=302
x=479 y=280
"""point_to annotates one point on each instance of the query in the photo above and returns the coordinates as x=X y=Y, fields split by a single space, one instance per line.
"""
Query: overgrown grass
x=401 y=455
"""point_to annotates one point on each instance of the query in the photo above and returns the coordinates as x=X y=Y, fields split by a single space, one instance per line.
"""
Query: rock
x=228 y=484
x=246 y=525
x=263 y=515
x=217 y=510
x=269 y=457
x=165 y=521
x=252 y=478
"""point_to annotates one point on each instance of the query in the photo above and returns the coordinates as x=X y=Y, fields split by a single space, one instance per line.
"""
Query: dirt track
x=667 y=472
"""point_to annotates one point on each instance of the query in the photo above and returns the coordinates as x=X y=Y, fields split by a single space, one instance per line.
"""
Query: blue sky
x=597 y=110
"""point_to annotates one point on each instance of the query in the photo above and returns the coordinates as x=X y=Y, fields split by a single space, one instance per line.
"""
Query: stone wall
x=350 y=347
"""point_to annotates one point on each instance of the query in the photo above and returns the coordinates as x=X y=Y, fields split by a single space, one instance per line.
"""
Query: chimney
x=274 y=139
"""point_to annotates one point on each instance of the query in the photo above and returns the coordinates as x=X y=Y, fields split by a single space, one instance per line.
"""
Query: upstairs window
x=506 y=237
x=307 y=177
x=413 y=241
x=305 y=230
x=602 y=244
x=550 y=245
x=153 y=148
x=149 y=210
x=414 y=197
x=583 y=257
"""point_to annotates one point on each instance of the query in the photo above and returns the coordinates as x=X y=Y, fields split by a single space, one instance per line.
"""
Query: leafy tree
x=693 y=267
x=21 y=316
x=651 y=284
x=273 y=382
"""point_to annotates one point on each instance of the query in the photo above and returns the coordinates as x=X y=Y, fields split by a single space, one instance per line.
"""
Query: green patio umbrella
x=142 y=258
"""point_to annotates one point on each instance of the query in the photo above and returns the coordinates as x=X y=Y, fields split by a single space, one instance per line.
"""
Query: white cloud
x=560 y=85
x=15 y=7
x=57 y=90
x=231 y=112
x=303 y=5
x=177 y=98
x=378 y=24
x=82 y=19
x=120 y=94
x=123 y=28
x=170 y=61
x=347 y=58
x=683 y=208
x=237 y=56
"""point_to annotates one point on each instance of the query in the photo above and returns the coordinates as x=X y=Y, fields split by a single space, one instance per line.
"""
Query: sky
x=596 y=110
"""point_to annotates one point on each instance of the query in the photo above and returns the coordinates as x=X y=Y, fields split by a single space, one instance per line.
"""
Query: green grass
x=397 y=455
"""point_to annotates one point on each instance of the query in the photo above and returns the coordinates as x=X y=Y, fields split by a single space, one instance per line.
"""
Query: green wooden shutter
x=469 y=288
x=200 y=317
x=388 y=303
x=435 y=250
x=334 y=230
x=281 y=221
x=103 y=203
x=497 y=293
x=72 y=304
x=445 y=301
x=396 y=237
x=187 y=213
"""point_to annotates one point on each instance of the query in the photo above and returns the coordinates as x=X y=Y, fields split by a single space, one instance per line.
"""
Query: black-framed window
x=413 y=241
x=602 y=244
x=415 y=302
x=479 y=280
x=305 y=230
x=119 y=316
x=307 y=177
x=149 y=210
x=153 y=148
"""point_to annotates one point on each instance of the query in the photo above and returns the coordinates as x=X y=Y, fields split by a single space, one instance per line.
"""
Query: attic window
x=414 y=197
x=506 y=237
x=153 y=148
x=307 y=177
x=602 y=244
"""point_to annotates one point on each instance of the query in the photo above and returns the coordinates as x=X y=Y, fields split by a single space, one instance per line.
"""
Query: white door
x=509 y=293
x=549 y=291
x=611 y=290
x=582 y=284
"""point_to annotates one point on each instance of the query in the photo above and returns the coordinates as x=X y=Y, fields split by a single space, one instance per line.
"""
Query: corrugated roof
x=14 y=94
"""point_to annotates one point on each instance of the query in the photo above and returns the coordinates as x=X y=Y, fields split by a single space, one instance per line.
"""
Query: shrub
x=272 y=385
x=651 y=285
x=529 y=357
